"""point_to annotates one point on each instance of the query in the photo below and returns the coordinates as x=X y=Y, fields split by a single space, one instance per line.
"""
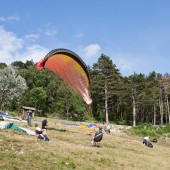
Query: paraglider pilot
x=147 y=142
x=97 y=136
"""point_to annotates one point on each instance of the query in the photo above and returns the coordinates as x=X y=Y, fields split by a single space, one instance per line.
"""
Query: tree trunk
x=161 y=106
x=106 y=106
x=154 y=115
x=167 y=102
x=134 y=111
x=166 y=111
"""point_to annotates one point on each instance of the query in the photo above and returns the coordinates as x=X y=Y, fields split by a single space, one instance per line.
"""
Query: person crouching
x=40 y=134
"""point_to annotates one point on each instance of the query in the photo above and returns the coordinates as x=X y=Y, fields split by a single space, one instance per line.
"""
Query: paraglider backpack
x=98 y=136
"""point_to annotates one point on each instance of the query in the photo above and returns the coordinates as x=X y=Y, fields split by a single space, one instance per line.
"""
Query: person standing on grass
x=44 y=125
x=97 y=137
x=29 y=114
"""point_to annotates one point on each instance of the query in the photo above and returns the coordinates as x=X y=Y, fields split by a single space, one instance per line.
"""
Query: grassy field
x=70 y=148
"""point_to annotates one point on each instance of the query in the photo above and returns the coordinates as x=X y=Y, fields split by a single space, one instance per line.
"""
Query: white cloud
x=13 y=48
x=51 y=32
x=9 y=44
x=91 y=50
x=9 y=18
x=34 y=52
x=32 y=37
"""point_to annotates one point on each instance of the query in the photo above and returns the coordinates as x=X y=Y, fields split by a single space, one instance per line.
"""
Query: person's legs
x=93 y=142
x=145 y=142
x=42 y=136
x=46 y=138
x=29 y=121
x=44 y=131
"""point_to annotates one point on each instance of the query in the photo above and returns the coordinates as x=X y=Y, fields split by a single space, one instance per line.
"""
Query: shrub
x=150 y=130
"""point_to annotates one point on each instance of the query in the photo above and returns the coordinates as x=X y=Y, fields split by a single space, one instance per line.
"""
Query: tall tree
x=165 y=89
x=57 y=97
x=47 y=81
x=136 y=86
x=36 y=97
x=104 y=77
x=151 y=96
x=12 y=86
x=71 y=101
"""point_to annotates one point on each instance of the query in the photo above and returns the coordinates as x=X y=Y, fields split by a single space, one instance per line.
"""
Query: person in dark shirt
x=44 y=125
x=1 y=118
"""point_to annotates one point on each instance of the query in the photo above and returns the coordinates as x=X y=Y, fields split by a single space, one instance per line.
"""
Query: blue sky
x=135 y=34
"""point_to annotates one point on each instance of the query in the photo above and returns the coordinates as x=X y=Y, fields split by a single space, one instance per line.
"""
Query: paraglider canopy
x=71 y=68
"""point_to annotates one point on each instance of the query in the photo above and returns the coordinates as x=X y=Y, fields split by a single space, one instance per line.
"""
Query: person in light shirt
x=147 y=142
x=40 y=134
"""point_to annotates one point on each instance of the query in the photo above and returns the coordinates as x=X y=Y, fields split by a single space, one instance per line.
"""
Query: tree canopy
x=133 y=99
x=12 y=86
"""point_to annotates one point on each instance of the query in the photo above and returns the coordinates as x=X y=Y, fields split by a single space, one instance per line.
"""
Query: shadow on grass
x=60 y=130
x=63 y=130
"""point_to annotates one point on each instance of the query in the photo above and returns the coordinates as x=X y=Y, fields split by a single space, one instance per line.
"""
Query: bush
x=150 y=130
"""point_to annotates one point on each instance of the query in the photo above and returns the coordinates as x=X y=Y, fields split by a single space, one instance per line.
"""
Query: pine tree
x=104 y=78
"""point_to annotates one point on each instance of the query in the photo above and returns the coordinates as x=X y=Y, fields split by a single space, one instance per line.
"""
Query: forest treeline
x=131 y=100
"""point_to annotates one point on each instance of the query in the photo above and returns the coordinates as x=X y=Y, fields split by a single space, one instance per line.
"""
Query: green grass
x=150 y=130
x=70 y=148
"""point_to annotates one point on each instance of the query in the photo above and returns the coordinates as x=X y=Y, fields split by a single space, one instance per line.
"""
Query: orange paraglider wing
x=71 y=68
